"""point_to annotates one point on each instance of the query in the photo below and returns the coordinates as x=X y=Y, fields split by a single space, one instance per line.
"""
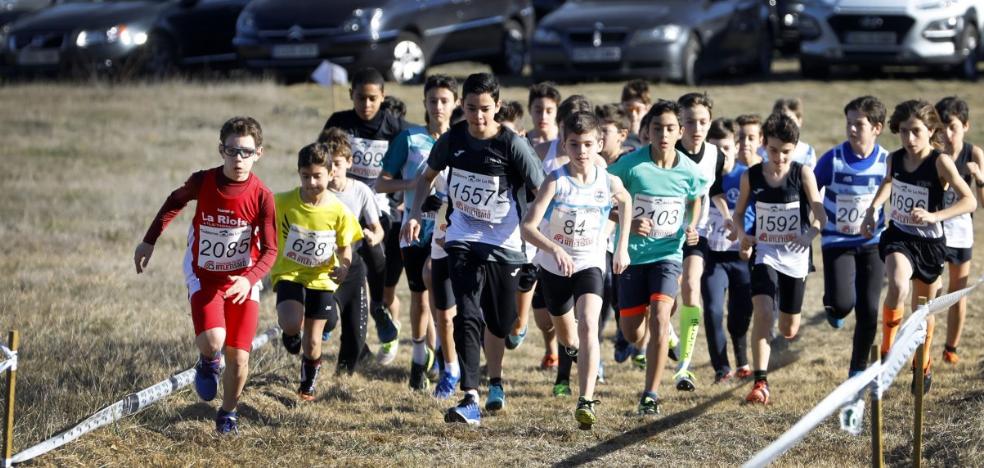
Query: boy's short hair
x=368 y=76
x=544 y=90
x=614 y=115
x=457 y=115
x=794 y=105
x=660 y=107
x=481 y=83
x=923 y=111
x=573 y=103
x=636 y=90
x=242 y=126
x=644 y=122
x=510 y=111
x=580 y=123
x=316 y=154
x=336 y=142
x=748 y=119
x=781 y=127
x=870 y=106
x=721 y=127
x=690 y=100
x=953 y=106
x=394 y=106
x=441 y=81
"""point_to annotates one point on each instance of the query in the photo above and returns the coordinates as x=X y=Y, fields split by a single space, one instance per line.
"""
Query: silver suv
x=873 y=33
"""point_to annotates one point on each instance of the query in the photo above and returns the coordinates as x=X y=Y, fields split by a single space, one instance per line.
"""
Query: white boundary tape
x=880 y=375
x=129 y=405
x=10 y=359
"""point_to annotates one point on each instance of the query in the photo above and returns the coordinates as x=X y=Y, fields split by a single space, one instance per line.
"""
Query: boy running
x=784 y=193
x=666 y=187
x=635 y=103
x=543 y=101
x=913 y=246
x=315 y=233
x=232 y=244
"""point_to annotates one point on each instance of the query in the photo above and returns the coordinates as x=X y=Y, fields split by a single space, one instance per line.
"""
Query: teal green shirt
x=662 y=195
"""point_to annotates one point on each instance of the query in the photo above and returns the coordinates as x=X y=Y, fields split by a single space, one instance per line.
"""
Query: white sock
x=452 y=369
x=419 y=352
x=473 y=393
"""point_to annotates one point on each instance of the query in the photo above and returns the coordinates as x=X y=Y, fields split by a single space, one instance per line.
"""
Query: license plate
x=596 y=54
x=870 y=38
x=291 y=51
x=38 y=57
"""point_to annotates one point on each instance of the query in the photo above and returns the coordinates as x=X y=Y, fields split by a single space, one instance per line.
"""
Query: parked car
x=681 y=40
x=399 y=37
x=124 y=37
x=874 y=33
x=10 y=10
x=784 y=18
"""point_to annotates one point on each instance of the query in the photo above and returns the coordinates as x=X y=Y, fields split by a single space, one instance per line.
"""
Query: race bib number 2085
x=223 y=248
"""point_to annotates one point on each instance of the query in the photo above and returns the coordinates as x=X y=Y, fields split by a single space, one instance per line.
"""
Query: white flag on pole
x=328 y=74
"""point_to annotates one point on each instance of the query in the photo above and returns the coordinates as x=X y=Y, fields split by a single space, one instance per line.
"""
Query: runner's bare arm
x=813 y=196
x=976 y=166
x=411 y=230
x=884 y=190
x=738 y=217
x=620 y=261
x=965 y=198
x=386 y=183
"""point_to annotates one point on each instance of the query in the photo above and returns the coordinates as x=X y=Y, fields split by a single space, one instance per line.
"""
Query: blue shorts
x=643 y=284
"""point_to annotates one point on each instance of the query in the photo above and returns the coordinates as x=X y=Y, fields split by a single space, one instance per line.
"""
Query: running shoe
x=562 y=389
x=852 y=373
x=292 y=343
x=571 y=353
x=418 y=372
x=550 y=361
x=649 y=404
x=833 y=321
x=927 y=379
x=513 y=341
x=325 y=335
x=623 y=349
x=207 y=378
x=950 y=357
x=496 y=401
x=639 y=360
x=466 y=411
x=723 y=376
x=759 y=393
x=309 y=375
x=684 y=381
x=226 y=422
x=434 y=373
x=743 y=372
x=601 y=371
x=673 y=350
x=584 y=413
x=387 y=352
x=386 y=328
x=445 y=386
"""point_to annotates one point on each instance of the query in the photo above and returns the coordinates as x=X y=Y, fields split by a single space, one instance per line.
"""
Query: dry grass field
x=86 y=166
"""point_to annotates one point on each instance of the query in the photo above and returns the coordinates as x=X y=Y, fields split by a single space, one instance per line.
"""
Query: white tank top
x=550 y=163
x=575 y=220
x=708 y=168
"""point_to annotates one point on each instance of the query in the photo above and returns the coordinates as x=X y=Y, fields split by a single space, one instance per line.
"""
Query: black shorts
x=562 y=292
x=538 y=302
x=391 y=244
x=766 y=281
x=639 y=285
x=700 y=248
x=926 y=256
x=414 y=258
x=527 y=277
x=318 y=305
x=441 y=284
x=959 y=256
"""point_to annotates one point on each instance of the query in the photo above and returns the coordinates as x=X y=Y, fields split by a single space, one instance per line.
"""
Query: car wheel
x=409 y=61
x=969 y=47
x=691 y=57
x=813 y=69
x=512 y=57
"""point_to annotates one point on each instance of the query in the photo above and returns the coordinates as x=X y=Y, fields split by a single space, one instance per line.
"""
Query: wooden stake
x=8 y=433
x=877 y=451
x=917 y=417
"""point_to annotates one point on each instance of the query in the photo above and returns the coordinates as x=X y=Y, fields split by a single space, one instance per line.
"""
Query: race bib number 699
x=367 y=157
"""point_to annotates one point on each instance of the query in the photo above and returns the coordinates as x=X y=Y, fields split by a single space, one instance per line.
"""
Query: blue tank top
x=852 y=185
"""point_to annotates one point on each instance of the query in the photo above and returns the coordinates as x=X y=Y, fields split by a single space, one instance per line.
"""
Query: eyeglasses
x=233 y=151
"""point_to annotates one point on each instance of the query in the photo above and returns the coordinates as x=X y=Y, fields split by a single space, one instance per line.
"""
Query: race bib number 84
x=224 y=249
x=309 y=248
x=666 y=213
x=575 y=229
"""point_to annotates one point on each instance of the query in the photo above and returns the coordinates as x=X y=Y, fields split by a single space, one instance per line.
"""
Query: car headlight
x=809 y=28
x=246 y=23
x=945 y=28
x=664 y=34
x=363 y=20
x=120 y=33
x=546 y=36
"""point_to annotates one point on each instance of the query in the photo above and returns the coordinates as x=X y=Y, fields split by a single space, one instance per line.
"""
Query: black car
x=399 y=37
x=126 y=37
x=10 y=10
x=681 y=40
x=785 y=19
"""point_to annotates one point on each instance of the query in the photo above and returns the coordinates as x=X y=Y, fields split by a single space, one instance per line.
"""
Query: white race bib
x=850 y=212
x=477 y=196
x=777 y=223
x=575 y=229
x=906 y=197
x=367 y=157
x=309 y=248
x=666 y=213
x=717 y=233
x=224 y=248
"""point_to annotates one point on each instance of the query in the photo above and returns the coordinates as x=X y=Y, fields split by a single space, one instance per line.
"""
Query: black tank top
x=790 y=190
x=961 y=159
x=924 y=190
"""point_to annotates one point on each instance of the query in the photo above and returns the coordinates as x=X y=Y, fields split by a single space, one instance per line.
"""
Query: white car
x=872 y=33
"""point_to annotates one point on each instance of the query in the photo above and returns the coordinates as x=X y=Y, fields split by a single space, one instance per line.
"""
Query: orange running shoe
x=950 y=357
x=743 y=373
x=759 y=393
x=550 y=361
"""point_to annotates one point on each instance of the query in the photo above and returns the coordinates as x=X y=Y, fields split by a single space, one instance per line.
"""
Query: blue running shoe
x=207 y=377
x=386 y=329
x=601 y=371
x=466 y=411
x=851 y=374
x=496 y=400
x=623 y=351
x=833 y=321
x=513 y=341
x=445 y=386
x=226 y=422
x=325 y=335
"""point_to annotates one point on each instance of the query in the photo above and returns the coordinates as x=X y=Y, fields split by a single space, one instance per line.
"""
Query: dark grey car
x=680 y=40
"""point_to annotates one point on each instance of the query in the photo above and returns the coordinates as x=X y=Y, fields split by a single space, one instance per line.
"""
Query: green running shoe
x=649 y=404
x=562 y=389
x=584 y=413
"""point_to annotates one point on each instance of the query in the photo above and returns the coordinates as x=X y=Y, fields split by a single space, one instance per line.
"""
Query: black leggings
x=852 y=278
x=353 y=309
x=726 y=271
